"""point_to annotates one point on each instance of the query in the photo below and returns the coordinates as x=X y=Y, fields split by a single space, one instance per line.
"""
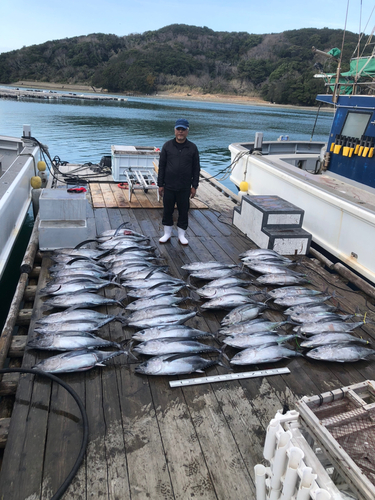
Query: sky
x=25 y=23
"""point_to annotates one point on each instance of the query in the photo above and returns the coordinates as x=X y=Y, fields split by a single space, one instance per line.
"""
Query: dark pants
x=181 y=198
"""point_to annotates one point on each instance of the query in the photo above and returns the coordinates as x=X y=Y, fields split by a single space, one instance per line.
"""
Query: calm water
x=83 y=131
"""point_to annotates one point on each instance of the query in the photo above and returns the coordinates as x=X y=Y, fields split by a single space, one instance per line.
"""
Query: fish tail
x=120 y=227
x=121 y=319
x=85 y=243
x=128 y=349
x=226 y=363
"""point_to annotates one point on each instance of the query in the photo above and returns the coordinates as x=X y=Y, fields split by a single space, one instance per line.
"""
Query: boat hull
x=339 y=214
x=15 y=196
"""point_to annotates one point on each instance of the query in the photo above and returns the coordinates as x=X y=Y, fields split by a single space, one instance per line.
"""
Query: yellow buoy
x=244 y=186
x=36 y=182
x=41 y=166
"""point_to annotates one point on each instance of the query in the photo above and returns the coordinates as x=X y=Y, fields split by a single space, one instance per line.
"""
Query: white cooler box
x=132 y=157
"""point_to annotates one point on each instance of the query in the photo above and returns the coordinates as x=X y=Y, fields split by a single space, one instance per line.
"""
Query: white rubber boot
x=167 y=234
x=181 y=236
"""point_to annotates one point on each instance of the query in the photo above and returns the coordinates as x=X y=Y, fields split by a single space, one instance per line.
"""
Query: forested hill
x=277 y=67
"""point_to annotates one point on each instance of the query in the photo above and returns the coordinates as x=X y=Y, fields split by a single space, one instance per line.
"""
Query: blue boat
x=332 y=182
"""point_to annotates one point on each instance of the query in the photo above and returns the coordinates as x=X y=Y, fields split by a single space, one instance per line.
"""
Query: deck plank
x=190 y=475
x=218 y=445
x=108 y=196
x=96 y=195
x=119 y=194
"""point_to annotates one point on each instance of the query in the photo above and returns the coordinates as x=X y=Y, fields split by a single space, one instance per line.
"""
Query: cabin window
x=355 y=124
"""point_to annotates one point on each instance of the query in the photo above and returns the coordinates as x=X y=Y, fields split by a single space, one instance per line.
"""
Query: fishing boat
x=142 y=437
x=332 y=182
x=18 y=164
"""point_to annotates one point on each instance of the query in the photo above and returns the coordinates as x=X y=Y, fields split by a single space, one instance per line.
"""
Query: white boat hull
x=340 y=215
x=15 y=198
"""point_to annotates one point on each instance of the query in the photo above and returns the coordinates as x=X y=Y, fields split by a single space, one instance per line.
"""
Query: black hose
x=59 y=493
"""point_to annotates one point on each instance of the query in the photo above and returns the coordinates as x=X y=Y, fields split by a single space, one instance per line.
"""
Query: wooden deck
x=148 y=441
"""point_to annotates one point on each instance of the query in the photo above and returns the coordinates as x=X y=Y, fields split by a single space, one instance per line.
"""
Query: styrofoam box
x=55 y=234
x=125 y=157
x=58 y=204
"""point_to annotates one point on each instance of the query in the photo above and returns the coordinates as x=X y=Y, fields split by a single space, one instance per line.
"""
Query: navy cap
x=181 y=122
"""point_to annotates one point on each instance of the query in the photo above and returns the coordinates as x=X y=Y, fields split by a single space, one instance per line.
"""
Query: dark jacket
x=179 y=166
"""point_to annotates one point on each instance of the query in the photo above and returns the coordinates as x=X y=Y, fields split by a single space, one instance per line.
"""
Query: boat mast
x=336 y=90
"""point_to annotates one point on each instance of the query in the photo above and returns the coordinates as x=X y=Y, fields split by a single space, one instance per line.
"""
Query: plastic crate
x=127 y=157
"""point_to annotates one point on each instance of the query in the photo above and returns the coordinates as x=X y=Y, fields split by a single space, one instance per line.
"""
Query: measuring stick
x=227 y=377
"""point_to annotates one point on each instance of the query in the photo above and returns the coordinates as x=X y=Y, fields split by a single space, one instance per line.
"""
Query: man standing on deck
x=178 y=179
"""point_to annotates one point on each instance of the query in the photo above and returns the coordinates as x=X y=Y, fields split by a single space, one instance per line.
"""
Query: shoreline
x=182 y=96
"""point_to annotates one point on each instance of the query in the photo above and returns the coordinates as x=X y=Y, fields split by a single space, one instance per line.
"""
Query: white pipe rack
x=295 y=473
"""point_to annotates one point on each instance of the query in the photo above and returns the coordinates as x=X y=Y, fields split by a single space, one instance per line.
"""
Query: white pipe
x=260 y=481
x=270 y=441
x=295 y=457
x=274 y=494
x=322 y=495
x=279 y=462
x=306 y=482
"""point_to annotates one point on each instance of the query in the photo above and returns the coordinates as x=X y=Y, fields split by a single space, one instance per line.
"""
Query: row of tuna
x=322 y=327
x=124 y=260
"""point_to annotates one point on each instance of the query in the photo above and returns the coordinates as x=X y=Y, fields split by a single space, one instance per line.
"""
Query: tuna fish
x=175 y=364
x=280 y=279
x=152 y=283
x=80 y=300
x=227 y=302
x=292 y=291
x=159 y=300
x=268 y=258
x=76 y=361
x=327 y=326
x=71 y=253
x=78 y=272
x=78 y=264
x=228 y=282
x=263 y=339
x=151 y=292
x=76 y=286
x=172 y=345
x=121 y=230
x=70 y=341
x=215 y=293
x=309 y=309
x=267 y=268
x=243 y=313
x=255 y=252
x=211 y=274
x=123 y=243
x=311 y=317
x=254 y=326
x=259 y=355
x=67 y=326
x=79 y=315
x=331 y=338
x=298 y=300
x=203 y=266
x=165 y=320
x=341 y=353
x=155 y=311
x=180 y=331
